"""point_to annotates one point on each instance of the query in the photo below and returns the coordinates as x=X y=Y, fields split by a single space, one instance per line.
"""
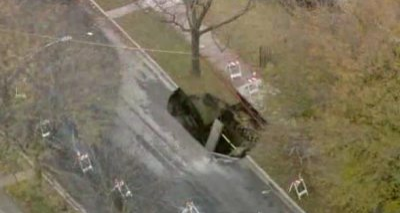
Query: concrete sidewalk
x=210 y=49
x=121 y=11
x=138 y=5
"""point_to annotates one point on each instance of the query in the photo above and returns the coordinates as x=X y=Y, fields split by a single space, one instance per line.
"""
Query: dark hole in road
x=197 y=114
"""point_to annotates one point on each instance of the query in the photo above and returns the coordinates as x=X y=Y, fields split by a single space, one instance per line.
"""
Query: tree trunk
x=195 y=36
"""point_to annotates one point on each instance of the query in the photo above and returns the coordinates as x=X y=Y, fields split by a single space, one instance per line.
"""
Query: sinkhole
x=197 y=114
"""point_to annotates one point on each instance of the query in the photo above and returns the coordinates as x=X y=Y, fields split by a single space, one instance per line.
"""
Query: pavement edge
x=268 y=180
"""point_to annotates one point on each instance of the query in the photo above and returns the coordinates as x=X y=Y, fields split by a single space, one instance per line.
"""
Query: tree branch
x=206 y=6
x=188 y=8
x=217 y=43
x=173 y=19
x=176 y=23
x=231 y=19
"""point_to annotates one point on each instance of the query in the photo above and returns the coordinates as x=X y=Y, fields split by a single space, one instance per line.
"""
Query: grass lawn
x=112 y=4
x=262 y=25
x=150 y=32
x=35 y=198
x=10 y=160
x=298 y=67
x=268 y=25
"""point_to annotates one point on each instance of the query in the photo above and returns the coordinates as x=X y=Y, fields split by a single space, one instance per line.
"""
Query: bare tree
x=194 y=14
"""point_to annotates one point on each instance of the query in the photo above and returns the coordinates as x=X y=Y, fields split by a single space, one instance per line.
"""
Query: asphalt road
x=140 y=142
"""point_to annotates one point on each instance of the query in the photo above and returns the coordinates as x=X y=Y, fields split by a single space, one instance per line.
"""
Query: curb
x=56 y=186
x=269 y=181
x=162 y=75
